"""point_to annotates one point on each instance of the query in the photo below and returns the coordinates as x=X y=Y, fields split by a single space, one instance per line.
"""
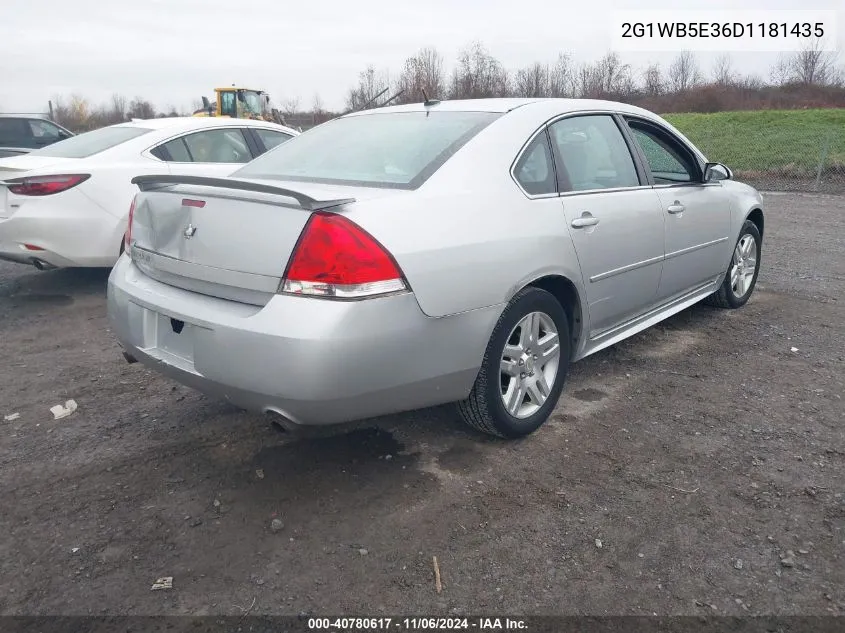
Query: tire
x=485 y=409
x=728 y=295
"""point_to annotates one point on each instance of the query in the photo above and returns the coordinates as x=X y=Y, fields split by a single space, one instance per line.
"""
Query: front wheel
x=741 y=276
x=524 y=367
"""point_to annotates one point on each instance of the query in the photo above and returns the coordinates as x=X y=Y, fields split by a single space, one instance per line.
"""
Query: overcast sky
x=173 y=51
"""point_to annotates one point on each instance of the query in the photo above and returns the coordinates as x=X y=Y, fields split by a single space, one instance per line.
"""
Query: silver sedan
x=415 y=255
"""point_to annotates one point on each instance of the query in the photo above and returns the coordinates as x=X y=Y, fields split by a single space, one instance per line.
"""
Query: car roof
x=502 y=105
x=178 y=124
x=23 y=115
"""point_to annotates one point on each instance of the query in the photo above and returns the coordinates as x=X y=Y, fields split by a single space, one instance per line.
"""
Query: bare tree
x=779 y=72
x=684 y=73
x=723 y=71
x=533 y=81
x=117 y=111
x=370 y=84
x=141 y=109
x=422 y=75
x=812 y=65
x=478 y=74
x=653 y=82
x=317 y=108
x=605 y=78
x=750 y=82
x=562 y=77
x=615 y=77
x=75 y=115
x=586 y=82
x=290 y=106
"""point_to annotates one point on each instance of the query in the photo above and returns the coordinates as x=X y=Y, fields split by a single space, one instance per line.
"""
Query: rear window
x=90 y=143
x=390 y=149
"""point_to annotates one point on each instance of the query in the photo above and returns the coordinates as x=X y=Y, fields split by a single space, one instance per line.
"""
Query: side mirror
x=63 y=135
x=714 y=172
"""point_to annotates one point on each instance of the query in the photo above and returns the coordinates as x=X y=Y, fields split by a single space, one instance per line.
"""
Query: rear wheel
x=741 y=276
x=524 y=367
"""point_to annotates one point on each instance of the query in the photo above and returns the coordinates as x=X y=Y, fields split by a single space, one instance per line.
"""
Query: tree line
x=811 y=77
x=811 y=74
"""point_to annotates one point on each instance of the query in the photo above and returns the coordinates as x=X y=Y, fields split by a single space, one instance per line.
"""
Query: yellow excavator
x=241 y=103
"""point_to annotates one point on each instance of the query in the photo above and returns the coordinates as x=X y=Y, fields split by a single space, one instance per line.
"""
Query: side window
x=173 y=151
x=15 y=133
x=44 y=131
x=271 y=138
x=218 y=146
x=594 y=153
x=534 y=170
x=668 y=161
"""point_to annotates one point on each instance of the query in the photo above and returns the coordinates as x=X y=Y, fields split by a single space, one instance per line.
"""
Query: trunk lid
x=221 y=237
x=13 y=166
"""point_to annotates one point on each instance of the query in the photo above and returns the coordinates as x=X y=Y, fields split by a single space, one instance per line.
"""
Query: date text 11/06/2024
x=416 y=624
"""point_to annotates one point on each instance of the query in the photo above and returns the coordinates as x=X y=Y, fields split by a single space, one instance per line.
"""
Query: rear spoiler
x=148 y=183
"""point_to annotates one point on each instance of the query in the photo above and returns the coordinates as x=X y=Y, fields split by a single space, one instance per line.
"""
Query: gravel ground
x=696 y=468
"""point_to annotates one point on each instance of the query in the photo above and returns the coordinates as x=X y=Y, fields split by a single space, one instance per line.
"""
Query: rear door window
x=173 y=151
x=218 y=146
x=226 y=145
x=593 y=154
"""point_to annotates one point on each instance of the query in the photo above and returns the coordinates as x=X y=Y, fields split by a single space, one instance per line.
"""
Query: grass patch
x=783 y=142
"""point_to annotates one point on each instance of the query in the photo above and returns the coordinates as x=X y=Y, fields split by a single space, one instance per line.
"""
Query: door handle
x=585 y=220
x=676 y=208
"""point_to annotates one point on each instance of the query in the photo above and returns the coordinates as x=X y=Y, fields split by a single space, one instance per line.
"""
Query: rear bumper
x=69 y=230
x=313 y=361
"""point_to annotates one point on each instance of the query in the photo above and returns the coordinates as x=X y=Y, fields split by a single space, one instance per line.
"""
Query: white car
x=67 y=205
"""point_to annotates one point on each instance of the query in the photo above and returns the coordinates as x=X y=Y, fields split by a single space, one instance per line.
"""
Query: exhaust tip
x=40 y=264
x=280 y=422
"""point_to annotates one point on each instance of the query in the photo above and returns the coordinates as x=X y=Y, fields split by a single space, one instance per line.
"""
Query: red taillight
x=337 y=258
x=190 y=202
x=46 y=185
x=127 y=238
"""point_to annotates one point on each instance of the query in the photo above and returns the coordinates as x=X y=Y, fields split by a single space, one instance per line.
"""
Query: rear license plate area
x=174 y=337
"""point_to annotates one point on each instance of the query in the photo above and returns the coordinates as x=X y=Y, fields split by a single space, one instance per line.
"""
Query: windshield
x=90 y=143
x=391 y=149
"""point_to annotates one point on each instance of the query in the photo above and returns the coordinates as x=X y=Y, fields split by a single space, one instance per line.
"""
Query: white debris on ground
x=11 y=417
x=163 y=583
x=63 y=410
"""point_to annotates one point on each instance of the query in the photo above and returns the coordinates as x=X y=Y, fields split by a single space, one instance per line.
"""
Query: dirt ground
x=697 y=468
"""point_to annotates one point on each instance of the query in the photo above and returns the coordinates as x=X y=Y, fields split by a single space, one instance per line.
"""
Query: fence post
x=822 y=159
x=50 y=103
